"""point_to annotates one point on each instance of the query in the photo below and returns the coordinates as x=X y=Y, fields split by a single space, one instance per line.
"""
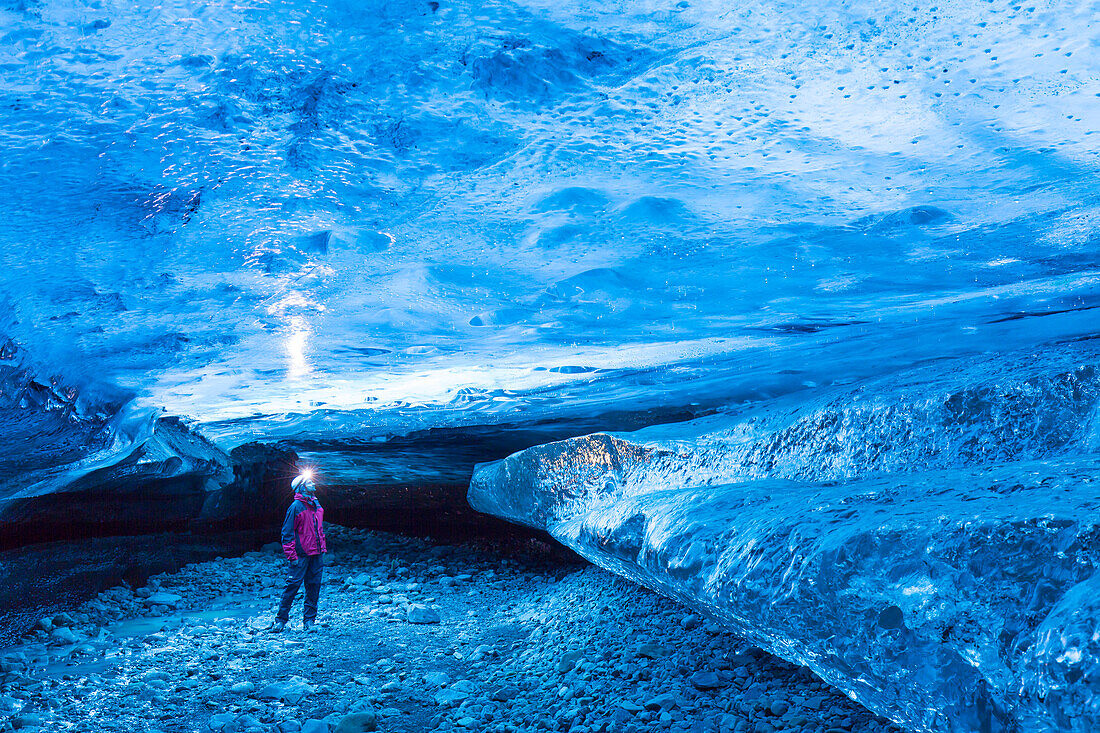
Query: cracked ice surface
x=932 y=551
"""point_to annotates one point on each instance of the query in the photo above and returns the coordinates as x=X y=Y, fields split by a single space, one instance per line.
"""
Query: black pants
x=307 y=569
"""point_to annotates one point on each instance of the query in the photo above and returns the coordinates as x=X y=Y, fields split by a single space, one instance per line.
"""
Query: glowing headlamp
x=303 y=478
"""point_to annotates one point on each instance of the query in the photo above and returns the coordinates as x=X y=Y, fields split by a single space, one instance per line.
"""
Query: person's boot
x=308 y=626
x=277 y=627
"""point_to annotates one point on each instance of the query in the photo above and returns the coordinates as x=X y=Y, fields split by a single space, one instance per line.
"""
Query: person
x=303 y=539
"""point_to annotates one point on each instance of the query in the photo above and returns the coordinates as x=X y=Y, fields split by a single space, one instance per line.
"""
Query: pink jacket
x=304 y=528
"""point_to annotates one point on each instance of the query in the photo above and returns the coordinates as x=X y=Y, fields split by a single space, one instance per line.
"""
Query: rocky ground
x=414 y=637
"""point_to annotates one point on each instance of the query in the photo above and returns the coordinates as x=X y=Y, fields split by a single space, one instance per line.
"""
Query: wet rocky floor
x=519 y=644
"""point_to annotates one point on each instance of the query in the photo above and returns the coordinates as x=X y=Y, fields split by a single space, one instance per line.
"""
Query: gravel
x=411 y=637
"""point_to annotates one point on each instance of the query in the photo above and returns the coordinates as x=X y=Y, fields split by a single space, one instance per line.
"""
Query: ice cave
x=592 y=366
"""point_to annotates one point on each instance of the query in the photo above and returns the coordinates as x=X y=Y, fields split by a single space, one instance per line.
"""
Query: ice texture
x=929 y=547
x=262 y=215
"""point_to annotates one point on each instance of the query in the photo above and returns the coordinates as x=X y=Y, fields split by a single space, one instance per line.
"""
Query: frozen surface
x=255 y=214
x=930 y=547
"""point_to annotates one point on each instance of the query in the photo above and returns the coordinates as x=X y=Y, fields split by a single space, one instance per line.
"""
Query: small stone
x=221 y=721
x=26 y=721
x=778 y=708
x=359 y=722
x=313 y=725
x=706 y=681
x=450 y=696
x=651 y=651
x=242 y=688
x=664 y=701
x=163 y=598
x=292 y=691
x=437 y=679
x=691 y=621
x=64 y=635
x=505 y=694
x=419 y=614
x=64 y=619
x=568 y=661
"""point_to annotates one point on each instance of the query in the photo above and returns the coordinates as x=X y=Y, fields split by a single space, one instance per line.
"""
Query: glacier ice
x=932 y=551
x=245 y=212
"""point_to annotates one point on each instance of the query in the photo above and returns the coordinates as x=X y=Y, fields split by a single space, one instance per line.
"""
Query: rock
x=163 y=598
x=391 y=686
x=242 y=688
x=779 y=708
x=438 y=679
x=292 y=691
x=63 y=619
x=251 y=723
x=505 y=694
x=664 y=701
x=691 y=621
x=620 y=716
x=357 y=723
x=727 y=723
x=568 y=661
x=221 y=721
x=456 y=693
x=450 y=697
x=651 y=651
x=26 y=721
x=64 y=636
x=313 y=725
x=419 y=614
x=706 y=681
x=467 y=722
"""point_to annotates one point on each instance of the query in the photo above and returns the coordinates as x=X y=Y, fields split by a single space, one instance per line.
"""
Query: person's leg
x=294 y=577
x=313 y=586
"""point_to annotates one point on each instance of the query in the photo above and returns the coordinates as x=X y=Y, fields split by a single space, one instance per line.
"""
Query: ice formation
x=929 y=551
x=838 y=241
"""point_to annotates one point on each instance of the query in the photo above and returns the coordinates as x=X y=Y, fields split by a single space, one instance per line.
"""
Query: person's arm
x=289 y=536
x=321 y=527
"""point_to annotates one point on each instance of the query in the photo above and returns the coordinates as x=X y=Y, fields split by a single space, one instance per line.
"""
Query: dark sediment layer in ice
x=930 y=550
x=170 y=479
x=42 y=579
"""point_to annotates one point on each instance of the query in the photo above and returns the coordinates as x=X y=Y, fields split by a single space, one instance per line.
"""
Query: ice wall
x=929 y=551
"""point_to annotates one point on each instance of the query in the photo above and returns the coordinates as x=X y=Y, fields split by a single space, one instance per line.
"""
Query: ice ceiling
x=280 y=218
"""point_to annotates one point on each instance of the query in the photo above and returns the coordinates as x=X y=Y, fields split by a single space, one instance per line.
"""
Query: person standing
x=303 y=539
